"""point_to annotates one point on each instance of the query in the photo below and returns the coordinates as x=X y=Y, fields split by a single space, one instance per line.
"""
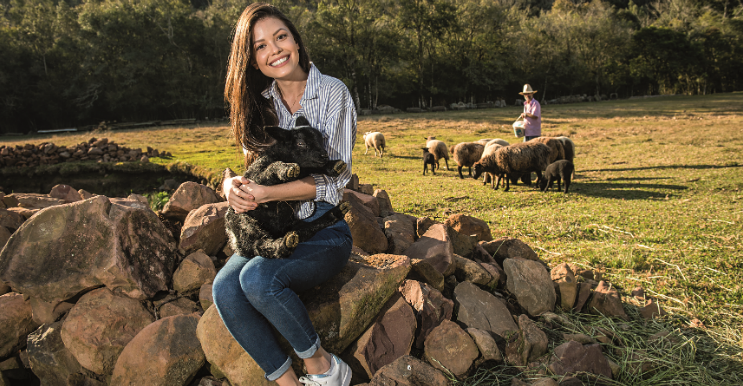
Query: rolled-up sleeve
x=340 y=135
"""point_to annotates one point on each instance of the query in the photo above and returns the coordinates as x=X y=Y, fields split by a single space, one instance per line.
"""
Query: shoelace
x=308 y=382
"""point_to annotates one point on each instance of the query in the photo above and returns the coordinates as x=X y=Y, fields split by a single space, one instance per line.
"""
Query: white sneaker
x=339 y=374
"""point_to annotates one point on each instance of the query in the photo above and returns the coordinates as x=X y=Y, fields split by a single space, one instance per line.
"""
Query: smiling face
x=275 y=52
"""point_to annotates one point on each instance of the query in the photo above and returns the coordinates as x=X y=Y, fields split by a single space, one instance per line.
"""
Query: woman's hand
x=237 y=195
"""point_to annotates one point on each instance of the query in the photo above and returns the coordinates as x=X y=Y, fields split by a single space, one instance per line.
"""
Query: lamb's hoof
x=292 y=171
x=339 y=167
x=345 y=207
x=291 y=240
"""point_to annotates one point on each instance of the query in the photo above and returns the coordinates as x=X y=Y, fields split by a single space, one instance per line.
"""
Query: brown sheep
x=439 y=150
x=523 y=157
x=466 y=154
x=490 y=148
x=557 y=152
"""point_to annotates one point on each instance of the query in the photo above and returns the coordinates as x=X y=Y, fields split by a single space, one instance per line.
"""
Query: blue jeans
x=253 y=294
x=529 y=138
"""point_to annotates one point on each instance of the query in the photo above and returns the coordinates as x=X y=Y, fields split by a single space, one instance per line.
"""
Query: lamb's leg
x=305 y=230
x=470 y=171
x=559 y=186
x=459 y=169
x=498 y=178
x=508 y=185
x=276 y=248
x=367 y=149
x=277 y=172
x=567 y=182
x=425 y=167
x=446 y=160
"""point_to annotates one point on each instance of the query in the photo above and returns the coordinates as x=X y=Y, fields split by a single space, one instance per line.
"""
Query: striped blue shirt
x=328 y=107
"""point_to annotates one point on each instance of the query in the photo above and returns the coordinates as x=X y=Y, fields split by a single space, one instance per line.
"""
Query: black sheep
x=562 y=169
x=428 y=159
x=272 y=229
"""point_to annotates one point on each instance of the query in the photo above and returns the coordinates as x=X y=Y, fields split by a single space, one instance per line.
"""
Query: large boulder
x=509 y=248
x=193 y=272
x=179 y=306
x=66 y=193
x=430 y=305
x=434 y=246
x=189 y=196
x=530 y=282
x=204 y=229
x=11 y=219
x=528 y=345
x=100 y=325
x=479 y=309
x=66 y=250
x=564 y=277
x=468 y=225
x=572 y=357
x=16 y=322
x=385 y=204
x=35 y=200
x=50 y=360
x=365 y=229
x=340 y=309
x=408 y=371
x=388 y=338
x=607 y=301
x=367 y=200
x=486 y=344
x=468 y=270
x=206 y=299
x=451 y=349
x=400 y=231
x=4 y=237
x=164 y=353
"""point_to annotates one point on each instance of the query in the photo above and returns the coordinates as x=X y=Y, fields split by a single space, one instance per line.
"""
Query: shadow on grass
x=662 y=167
x=626 y=191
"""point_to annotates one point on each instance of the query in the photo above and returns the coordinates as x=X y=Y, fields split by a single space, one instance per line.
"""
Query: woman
x=271 y=81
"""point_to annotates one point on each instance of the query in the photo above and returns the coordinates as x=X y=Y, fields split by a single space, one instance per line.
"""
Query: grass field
x=655 y=202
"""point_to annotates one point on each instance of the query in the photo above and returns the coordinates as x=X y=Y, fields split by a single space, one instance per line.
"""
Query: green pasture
x=655 y=203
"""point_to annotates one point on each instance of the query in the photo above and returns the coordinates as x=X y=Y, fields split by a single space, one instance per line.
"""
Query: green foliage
x=157 y=200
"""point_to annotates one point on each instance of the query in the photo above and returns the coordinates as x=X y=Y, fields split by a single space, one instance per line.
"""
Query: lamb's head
x=303 y=145
x=477 y=169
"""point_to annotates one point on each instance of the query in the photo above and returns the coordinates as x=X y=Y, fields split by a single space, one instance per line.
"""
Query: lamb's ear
x=301 y=121
x=276 y=132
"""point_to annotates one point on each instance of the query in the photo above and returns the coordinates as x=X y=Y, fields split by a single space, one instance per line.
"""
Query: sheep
x=376 y=141
x=569 y=147
x=272 y=229
x=557 y=152
x=428 y=159
x=556 y=171
x=523 y=157
x=466 y=154
x=439 y=150
x=484 y=141
x=490 y=148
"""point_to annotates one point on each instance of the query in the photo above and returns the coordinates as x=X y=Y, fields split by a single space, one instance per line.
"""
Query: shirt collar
x=311 y=90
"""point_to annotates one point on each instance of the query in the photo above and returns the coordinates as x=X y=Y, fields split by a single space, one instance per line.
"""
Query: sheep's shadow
x=662 y=167
x=625 y=191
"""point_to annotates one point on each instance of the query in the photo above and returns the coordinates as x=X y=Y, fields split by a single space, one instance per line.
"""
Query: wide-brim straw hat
x=528 y=90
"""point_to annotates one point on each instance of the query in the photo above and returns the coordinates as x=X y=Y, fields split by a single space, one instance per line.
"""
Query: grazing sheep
x=523 y=157
x=557 y=152
x=490 y=148
x=499 y=141
x=272 y=229
x=556 y=171
x=484 y=141
x=376 y=141
x=569 y=147
x=466 y=154
x=428 y=159
x=439 y=150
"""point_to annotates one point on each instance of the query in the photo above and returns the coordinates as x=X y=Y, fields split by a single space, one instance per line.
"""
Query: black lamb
x=272 y=229
x=428 y=159
x=562 y=169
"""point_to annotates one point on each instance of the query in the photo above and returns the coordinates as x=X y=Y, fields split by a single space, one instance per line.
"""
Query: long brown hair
x=249 y=110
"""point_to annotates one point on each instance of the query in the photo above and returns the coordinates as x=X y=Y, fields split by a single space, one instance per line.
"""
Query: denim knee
x=260 y=290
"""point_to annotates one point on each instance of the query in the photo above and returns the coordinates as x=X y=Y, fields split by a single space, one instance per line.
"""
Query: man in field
x=532 y=114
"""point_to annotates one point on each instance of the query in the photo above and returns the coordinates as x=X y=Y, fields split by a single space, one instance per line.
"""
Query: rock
x=400 y=232
x=180 y=306
x=530 y=282
x=408 y=371
x=486 y=344
x=435 y=247
x=388 y=338
x=24 y=212
x=584 y=292
x=205 y=296
x=165 y=353
x=35 y=201
x=10 y=219
x=480 y=255
x=353 y=183
x=367 y=189
x=566 y=283
x=573 y=357
x=479 y=309
x=508 y=248
x=340 y=309
x=385 y=205
x=365 y=230
x=606 y=301
x=462 y=245
x=498 y=277
x=195 y=270
x=431 y=307
x=4 y=237
x=16 y=322
x=651 y=310
x=450 y=349
x=468 y=270
x=528 y=345
x=204 y=229
x=189 y=196
x=422 y=225
x=580 y=338
x=45 y=313
x=50 y=360
x=67 y=250
x=140 y=198
x=425 y=272
x=10 y=201
x=368 y=200
x=468 y=225
x=4 y=288
x=571 y=381
x=100 y=325
x=638 y=293
x=518 y=382
x=544 y=382
x=84 y=194
x=66 y=193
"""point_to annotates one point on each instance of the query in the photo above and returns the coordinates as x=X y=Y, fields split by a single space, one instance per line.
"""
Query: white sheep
x=376 y=141
x=439 y=150
x=466 y=154
x=490 y=148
